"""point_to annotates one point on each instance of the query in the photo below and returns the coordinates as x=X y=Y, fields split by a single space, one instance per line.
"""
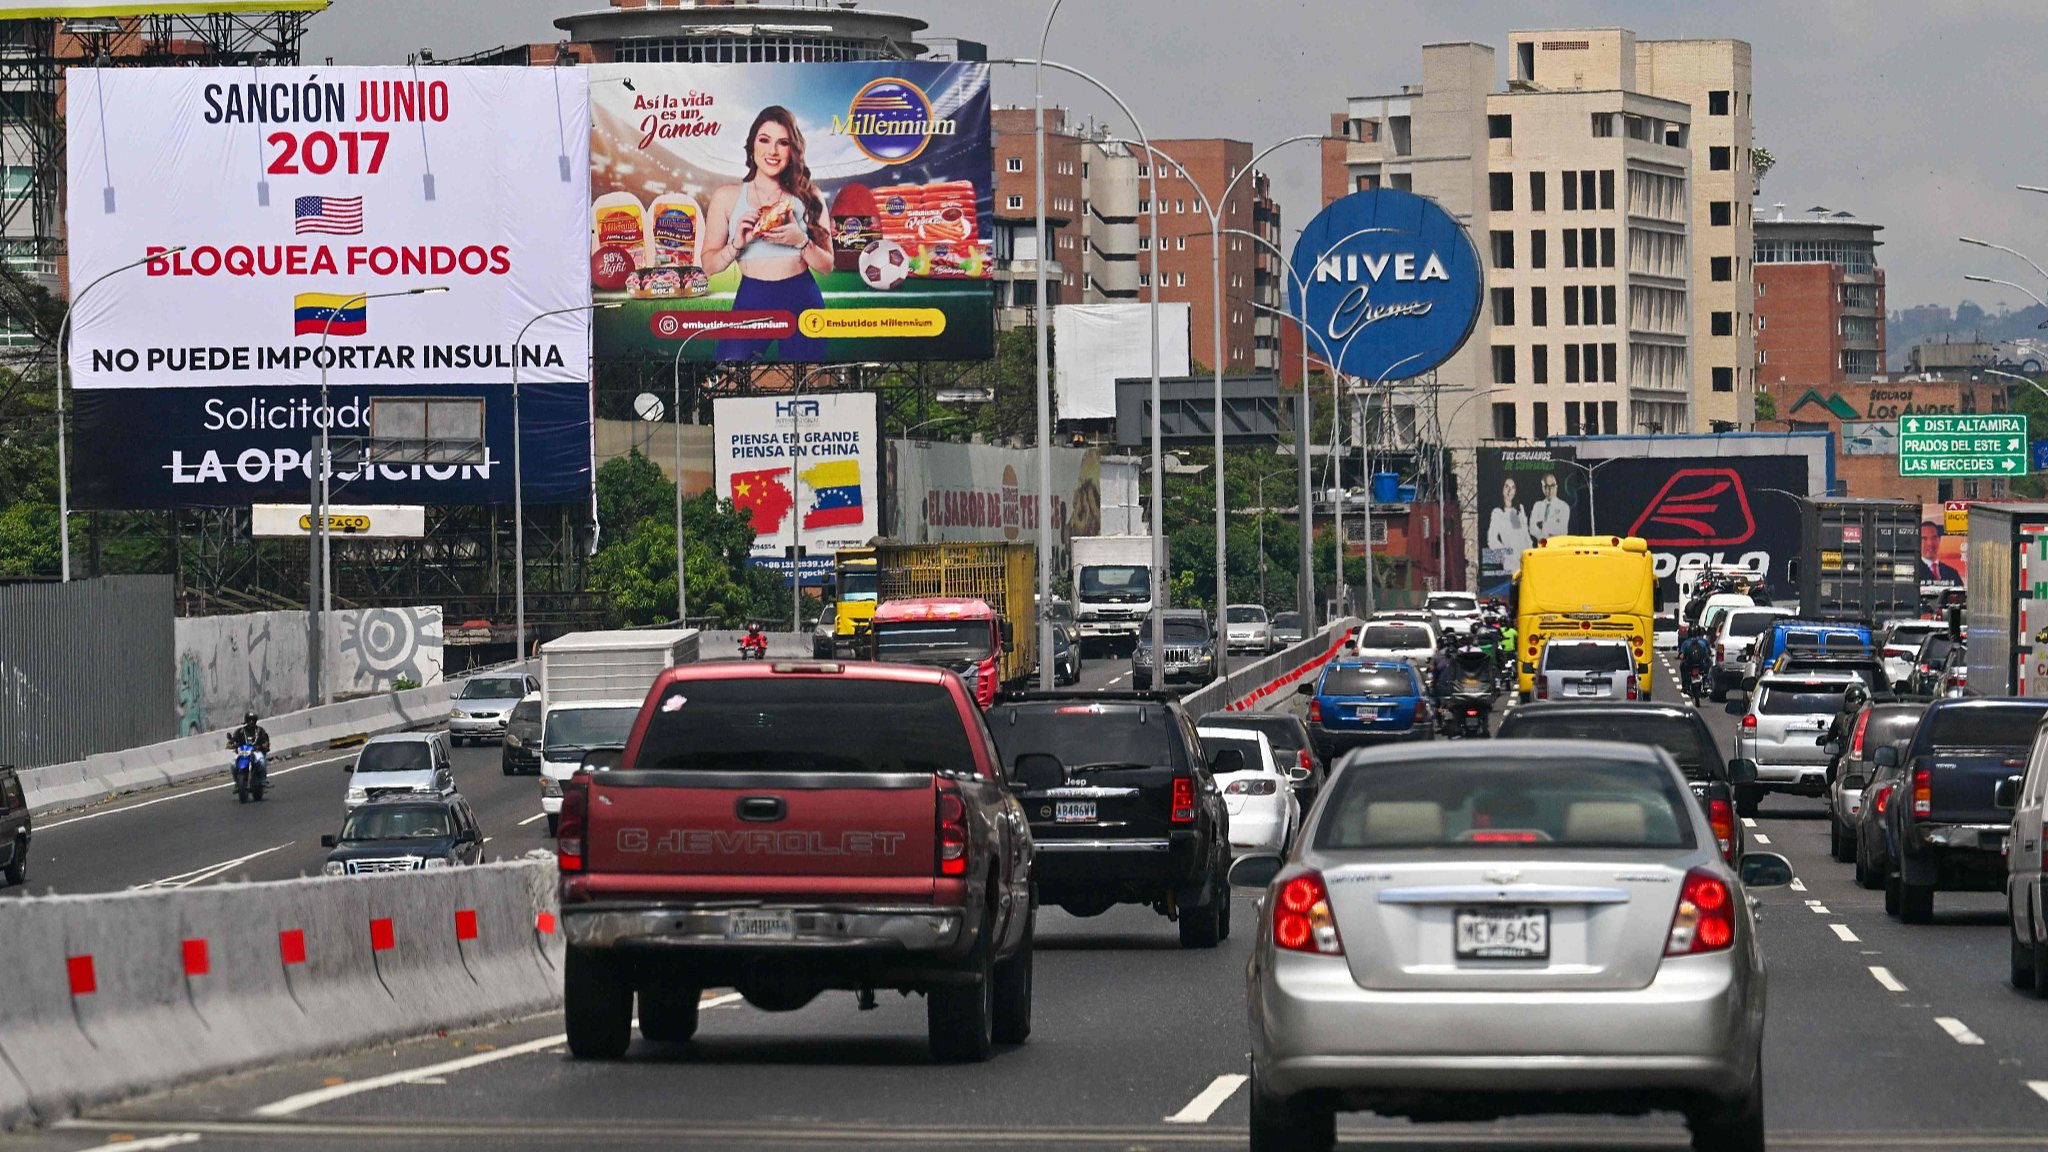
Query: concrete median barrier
x=1262 y=684
x=110 y=996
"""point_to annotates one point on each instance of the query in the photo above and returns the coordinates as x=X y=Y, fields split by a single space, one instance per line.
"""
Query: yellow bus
x=1585 y=586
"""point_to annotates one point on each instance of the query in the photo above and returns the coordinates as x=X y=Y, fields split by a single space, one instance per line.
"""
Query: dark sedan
x=405 y=834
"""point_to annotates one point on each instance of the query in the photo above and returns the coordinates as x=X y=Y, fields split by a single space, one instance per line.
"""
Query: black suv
x=405 y=834
x=1122 y=803
x=14 y=827
x=1678 y=729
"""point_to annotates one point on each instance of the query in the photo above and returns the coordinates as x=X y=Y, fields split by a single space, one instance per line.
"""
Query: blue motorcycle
x=250 y=777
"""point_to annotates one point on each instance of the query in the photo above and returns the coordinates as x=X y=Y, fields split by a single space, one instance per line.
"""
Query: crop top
x=758 y=248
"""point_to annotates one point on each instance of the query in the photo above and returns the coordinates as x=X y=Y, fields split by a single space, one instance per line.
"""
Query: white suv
x=1734 y=639
x=1781 y=731
x=1456 y=612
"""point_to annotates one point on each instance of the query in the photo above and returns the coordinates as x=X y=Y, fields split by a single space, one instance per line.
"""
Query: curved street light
x=676 y=421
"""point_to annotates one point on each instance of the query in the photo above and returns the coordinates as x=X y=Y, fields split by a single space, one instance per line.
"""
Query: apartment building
x=1820 y=313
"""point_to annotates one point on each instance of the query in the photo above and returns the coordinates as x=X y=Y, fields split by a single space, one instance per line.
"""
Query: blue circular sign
x=1387 y=283
x=891 y=120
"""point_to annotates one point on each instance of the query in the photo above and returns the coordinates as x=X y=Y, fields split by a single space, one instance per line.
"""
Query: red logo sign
x=1697 y=507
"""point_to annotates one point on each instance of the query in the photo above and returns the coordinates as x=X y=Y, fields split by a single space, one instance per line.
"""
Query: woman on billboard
x=773 y=223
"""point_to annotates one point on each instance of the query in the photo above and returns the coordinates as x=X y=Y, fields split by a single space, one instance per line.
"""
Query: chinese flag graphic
x=764 y=495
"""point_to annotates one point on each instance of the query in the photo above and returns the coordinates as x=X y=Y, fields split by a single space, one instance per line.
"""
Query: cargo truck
x=1859 y=560
x=591 y=687
x=2007 y=609
x=1112 y=588
x=854 y=598
x=968 y=607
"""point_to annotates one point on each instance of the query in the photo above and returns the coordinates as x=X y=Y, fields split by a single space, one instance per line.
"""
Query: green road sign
x=1990 y=445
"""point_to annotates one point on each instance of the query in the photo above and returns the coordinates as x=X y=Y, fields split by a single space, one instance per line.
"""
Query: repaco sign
x=1387 y=283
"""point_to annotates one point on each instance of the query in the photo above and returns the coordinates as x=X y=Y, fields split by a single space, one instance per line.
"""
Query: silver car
x=1248 y=628
x=1781 y=730
x=1502 y=927
x=400 y=763
x=480 y=710
x=1587 y=670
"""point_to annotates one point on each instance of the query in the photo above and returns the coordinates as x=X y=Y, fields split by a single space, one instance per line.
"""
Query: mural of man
x=1549 y=516
x=1507 y=529
x=1932 y=570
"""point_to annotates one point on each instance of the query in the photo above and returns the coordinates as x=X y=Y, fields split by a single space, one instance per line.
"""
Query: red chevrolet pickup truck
x=787 y=828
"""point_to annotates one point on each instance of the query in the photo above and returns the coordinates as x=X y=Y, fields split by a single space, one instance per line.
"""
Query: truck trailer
x=1859 y=560
x=969 y=607
x=2007 y=609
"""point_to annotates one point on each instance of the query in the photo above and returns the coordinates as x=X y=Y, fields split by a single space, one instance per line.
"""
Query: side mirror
x=1834 y=747
x=1257 y=871
x=1742 y=771
x=1887 y=757
x=1227 y=761
x=329 y=840
x=467 y=836
x=1038 y=772
x=1305 y=688
x=1856 y=781
x=1008 y=633
x=1297 y=774
x=2007 y=794
x=1765 y=870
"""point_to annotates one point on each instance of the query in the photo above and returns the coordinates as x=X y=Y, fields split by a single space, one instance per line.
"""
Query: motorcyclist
x=1844 y=724
x=252 y=734
x=754 y=641
x=1695 y=658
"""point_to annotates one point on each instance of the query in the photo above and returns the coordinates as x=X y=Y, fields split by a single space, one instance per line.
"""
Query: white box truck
x=1112 y=588
x=591 y=687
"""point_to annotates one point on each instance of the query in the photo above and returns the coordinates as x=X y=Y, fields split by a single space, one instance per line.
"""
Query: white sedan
x=1263 y=810
x=1396 y=640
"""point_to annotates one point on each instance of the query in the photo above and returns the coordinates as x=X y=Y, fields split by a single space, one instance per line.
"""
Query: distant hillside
x=1968 y=322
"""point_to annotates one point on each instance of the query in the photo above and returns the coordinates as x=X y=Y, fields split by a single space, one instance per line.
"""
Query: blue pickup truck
x=1948 y=832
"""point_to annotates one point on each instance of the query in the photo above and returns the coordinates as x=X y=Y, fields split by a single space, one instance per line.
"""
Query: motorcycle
x=754 y=647
x=1695 y=684
x=1468 y=705
x=249 y=781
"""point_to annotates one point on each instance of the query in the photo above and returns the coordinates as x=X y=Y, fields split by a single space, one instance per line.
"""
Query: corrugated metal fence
x=83 y=668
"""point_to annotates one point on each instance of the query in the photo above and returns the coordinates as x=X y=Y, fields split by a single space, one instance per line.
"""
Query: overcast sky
x=1918 y=115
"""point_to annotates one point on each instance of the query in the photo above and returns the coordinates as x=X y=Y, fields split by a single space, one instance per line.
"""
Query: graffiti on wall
x=376 y=648
x=228 y=665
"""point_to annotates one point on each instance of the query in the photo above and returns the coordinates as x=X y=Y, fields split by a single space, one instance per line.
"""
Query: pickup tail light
x=952 y=834
x=1882 y=799
x=1632 y=692
x=1923 y=792
x=1749 y=720
x=1302 y=920
x=1721 y=653
x=1543 y=688
x=1721 y=815
x=1705 y=919
x=1315 y=710
x=570 y=824
x=1183 y=799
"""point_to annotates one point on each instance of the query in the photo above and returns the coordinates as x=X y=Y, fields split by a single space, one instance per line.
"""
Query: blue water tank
x=1386 y=487
x=1406 y=494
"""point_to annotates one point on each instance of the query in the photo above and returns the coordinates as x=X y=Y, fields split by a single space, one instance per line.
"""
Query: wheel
x=597 y=1007
x=1289 y=1126
x=258 y=792
x=1223 y=932
x=1012 y=1023
x=2022 y=968
x=1865 y=878
x=1748 y=798
x=1891 y=894
x=1840 y=846
x=1734 y=1126
x=553 y=820
x=960 y=1018
x=506 y=765
x=669 y=1015
x=1202 y=925
x=2039 y=986
x=1916 y=903
x=456 y=740
x=17 y=867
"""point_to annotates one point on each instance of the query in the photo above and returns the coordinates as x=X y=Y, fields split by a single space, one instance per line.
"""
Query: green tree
x=1766 y=407
x=635 y=567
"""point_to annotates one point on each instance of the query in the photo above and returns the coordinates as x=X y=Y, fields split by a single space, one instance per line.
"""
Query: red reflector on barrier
x=465 y=925
x=382 y=937
x=545 y=923
x=83 y=980
x=197 y=962
x=291 y=946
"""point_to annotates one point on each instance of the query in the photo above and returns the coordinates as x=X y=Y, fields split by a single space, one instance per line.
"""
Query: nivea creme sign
x=1388 y=284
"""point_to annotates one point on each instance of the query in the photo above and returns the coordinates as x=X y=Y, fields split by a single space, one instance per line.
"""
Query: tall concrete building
x=1820 y=314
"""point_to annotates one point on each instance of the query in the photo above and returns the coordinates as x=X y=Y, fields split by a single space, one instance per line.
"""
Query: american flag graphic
x=333 y=215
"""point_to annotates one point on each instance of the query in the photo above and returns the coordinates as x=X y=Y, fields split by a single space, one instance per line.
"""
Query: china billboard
x=843 y=211
x=805 y=468
x=306 y=201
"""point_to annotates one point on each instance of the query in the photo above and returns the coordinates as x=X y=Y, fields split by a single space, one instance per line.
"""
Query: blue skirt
x=795 y=296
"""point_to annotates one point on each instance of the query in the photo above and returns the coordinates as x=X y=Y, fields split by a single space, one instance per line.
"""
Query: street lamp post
x=1592 y=491
x=1047 y=674
x=1442 y=509
x=1262 y=535
x=63 y=472
x=676 y=417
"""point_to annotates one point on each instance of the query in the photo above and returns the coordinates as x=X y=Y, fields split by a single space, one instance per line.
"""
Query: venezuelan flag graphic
x=835 y=491
x=312 y=313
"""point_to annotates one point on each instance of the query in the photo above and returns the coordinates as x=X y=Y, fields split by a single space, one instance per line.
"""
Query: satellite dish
x=649 y=407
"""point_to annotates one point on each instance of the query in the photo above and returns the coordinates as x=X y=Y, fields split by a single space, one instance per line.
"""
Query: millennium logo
x=891 y=121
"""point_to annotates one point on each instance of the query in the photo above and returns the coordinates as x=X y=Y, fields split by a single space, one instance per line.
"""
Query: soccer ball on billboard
x=884 y=264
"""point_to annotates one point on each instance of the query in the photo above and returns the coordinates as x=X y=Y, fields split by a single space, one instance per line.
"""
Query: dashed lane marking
x=1798 y=885
x=130 y=1144
x=99 y=812
x=1762 y=839
x=2040 y=1088
x=1208 y=1100
x=1748 y=822
x=1818 y=908
x=293 y=1105
x=1884 y=976
x=1845 y=935
x=531 y=819
x=726 y=1001
x=1957 y=1031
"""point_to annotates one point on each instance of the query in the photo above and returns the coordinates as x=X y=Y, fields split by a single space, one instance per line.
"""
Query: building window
x=1722 y=323
x=1587 y=181
x=1607 y=247
x=1180 y=280
x=1504 y=422
x=1571 y=376
x=1014 y=164
x=1571 y=417
x=1501 y=189
x=1717 y=102
x=1717 y=158
x=1589 y=247
x=1539 y=364
x=1724 y=379
x=1503 y=364
x=1539 y=420
x=1016 y=203
x=1144 y=207
x=1180 y=243
x=1721 y=268
x=1144 y=279
x=1760 y=322
x=1591 y=310
x=1571 y=247
x=1144 y=243
x=1609 y=412
x=1608 y=368
x=1539 y=248
x=1853 y=295
x=1607 y=297
x=1569 y=181
x=1500 y=127
x=1603 y=125
x=1571 y=307
x=1144 y=170
x=1539 y=306
x=1537 y=191
x=1860 y=361
x=1721 y=213
x=1607 y=188
x=1504 y=307
x=1503 y=249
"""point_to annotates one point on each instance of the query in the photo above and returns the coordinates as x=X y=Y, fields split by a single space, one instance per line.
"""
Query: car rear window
x=1255 y=760
x=1280 y=729
x=493 y=688
x=1563 y=656
x=526 y=711
x=397 y=756
x=1750 y=623
x=1453 y=604
x=1084 y=735
x=1674 y=734
x=1394 y=636
x=805 y=724
x=1524 y=805
x=1367 y=682
x=1889 y=728
x=1994 y=726
x=1796 y=699
x=1242 y=615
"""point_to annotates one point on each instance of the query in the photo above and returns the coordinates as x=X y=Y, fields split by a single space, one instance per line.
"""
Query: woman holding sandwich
x=773 y=223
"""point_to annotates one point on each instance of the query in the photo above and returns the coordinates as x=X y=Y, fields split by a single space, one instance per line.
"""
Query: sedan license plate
x=1503 y=934
x=760 y=924
x=1074 y=812
x=1591 y=688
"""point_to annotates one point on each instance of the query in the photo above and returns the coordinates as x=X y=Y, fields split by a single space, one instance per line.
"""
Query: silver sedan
x=1506 y=927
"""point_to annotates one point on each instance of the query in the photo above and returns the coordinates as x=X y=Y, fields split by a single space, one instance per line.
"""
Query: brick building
x=1820 y=309
x=1864 y=417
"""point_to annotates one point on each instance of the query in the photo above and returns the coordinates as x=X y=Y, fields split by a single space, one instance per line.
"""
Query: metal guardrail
x=1253 y=680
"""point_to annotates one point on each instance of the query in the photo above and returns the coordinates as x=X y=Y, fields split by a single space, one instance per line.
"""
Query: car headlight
x=358 y=794
x=456 y=714
x=334 y=868
x=550 y=787
x=511 y=740
x=437 y=862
